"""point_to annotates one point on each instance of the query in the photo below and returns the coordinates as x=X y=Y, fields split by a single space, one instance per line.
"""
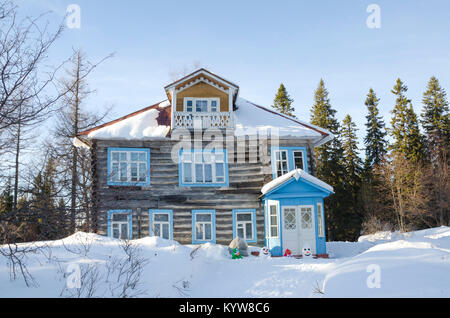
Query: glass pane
x=142 y=156
x=208 y=228
x=165 y=231
x=199 y=173
x=186 y=156
x=134 y=156
x=248 y=231
x=115 y=156
x=208 y=173
x=244 y=217
x=116 y=233
x=273 y=210
x=123 y=171
x=134 y=172
x=142 y=171
x=298 y=159
x=198 y=157
x=290 y=223
x=199 y=232
x=240 y=233
x=219 y=156
x=157 y=229
x=115 y=172
x=120 y=217
x=283 y=155
x=220 y=170
x=161 y=217
x=187 y=172
x=203 y=217
x=124 y=231
x=273 y=231
x=123 y=156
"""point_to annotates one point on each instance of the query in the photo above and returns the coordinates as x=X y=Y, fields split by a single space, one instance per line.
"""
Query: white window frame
x=281 y=160
x=244 y=227
x=209 y=104
x=161 y=223
x=120 y=223
x=129 y=163
x=269 y=215
x=320 y=220
x=203 y=224
x=194 y=160
x=303 y=159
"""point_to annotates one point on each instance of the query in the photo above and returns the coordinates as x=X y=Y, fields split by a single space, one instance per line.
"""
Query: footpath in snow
x=415 y=264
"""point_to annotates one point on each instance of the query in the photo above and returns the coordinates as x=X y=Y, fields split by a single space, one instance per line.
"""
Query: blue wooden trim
x=155 y=211
x=213 y=230
x=280 y=186
x=130 y=221
x=254 y=230
x=111 y=183
x=226 y=183
x=290 y=157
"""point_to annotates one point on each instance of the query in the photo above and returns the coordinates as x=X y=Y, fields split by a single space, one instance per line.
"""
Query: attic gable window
x=285 y=159
x=201 y=105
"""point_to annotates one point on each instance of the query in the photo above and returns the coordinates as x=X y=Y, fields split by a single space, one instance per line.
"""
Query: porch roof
x=296 y=174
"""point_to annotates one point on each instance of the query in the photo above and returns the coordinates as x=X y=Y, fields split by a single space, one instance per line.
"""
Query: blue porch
x=294 y=214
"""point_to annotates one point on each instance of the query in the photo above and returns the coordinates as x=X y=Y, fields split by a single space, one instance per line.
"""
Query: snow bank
x=412 y=264
x=415 y=264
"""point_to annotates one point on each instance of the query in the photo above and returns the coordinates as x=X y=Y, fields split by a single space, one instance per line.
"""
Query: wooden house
x=206 y=166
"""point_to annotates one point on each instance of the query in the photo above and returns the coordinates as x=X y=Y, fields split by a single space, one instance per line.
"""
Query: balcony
x=222 y=120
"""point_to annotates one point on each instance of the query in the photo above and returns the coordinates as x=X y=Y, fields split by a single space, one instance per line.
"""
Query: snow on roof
x=143 y=125
x=251 y=118
x=297 y=173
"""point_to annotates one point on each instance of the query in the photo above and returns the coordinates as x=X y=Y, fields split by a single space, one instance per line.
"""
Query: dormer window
x=201 y=105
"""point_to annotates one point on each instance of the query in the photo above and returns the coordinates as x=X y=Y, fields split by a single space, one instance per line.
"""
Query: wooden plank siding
x=245 y=182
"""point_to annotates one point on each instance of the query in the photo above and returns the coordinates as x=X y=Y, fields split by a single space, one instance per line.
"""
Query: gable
x=205 y=90
x=297 y=188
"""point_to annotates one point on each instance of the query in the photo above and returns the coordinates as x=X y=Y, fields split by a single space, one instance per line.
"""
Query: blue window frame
x=203 y=168
x=161 y=223
x=203 y=226
x=285 y=159
x=128 y=166
x=120 y=224
x=244 y=224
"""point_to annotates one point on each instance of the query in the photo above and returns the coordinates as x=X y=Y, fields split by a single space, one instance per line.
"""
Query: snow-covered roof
x=251 y=118
x=148 y=123
x=297 y=174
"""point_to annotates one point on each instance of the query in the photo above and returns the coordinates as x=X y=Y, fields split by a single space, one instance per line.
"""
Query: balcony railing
x=206 y=120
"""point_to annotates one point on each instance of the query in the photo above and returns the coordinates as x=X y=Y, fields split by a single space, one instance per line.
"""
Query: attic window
x=201 y=105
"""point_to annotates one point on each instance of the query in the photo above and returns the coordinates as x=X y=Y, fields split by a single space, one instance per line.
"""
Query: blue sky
x=258 y=45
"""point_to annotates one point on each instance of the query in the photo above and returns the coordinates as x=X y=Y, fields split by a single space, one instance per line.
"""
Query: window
x=161 y=223
x=298 y=159
x=128 y=166
x=320 y=219
x=119 y=224
x=273 y=221
x=203 y=226
x=244 y=224
x=285 y=159
x=203 y=168
x=202 y=105
x=281 y=162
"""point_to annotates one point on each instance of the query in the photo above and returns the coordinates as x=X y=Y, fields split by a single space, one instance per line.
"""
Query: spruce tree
x=329 y=167
x=352 y=165
x=435 y=118
x=405 y=132
x=283 y=102
x=374 y=141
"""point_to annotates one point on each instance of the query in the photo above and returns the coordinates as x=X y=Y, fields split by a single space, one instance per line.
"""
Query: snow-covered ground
x=415 y=264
